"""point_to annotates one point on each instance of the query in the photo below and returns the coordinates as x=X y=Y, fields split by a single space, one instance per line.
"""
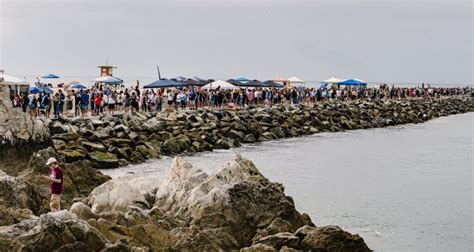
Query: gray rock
x=93 y=146
x=104 y=160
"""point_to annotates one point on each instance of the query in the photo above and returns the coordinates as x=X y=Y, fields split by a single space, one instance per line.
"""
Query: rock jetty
x=235 y=208
x=111 y=141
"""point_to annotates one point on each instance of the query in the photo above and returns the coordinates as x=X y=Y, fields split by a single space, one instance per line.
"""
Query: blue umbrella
x=109 y=80
x=242 y=79
x=50 y=76
x=78 y=86
x=47 y=90
x=35 y=90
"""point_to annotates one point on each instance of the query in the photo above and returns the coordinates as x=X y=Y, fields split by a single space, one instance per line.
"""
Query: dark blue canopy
x=235 y=83
x=270 y=83
x=352 y=82
x=50 y=76
x=253 y=83
x=164 y=83
x=191 y=82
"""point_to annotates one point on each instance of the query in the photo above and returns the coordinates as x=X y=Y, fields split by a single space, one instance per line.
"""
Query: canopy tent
x=235 y=83
x=164 y=83
x=242 y=79
x=192 y=82
x=180 y=78
x=50 y=76
x=272 y=84
x=219 y=84
x=332 y=80
x=295 y=79
x=108 y=79
x=11 y=80
x=250 y=83
x=352 y=82
x=16 y=85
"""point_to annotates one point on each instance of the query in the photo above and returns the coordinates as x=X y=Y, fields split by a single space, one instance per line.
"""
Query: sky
x=377 y=41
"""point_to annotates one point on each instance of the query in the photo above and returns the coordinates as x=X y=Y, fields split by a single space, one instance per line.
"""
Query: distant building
x=106 y=70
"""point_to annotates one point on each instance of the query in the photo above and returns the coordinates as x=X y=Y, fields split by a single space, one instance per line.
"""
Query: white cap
x=51 y=160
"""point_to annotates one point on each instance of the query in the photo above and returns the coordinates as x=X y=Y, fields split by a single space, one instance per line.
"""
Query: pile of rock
x=20 y=136
x=111 y=141
x=236 y=208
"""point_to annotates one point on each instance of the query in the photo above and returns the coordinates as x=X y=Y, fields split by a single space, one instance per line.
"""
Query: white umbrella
x=108 y=79
x=332 y=80
x=219 y=83
x=295 y=79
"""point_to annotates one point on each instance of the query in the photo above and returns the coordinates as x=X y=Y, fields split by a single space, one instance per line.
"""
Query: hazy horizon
x=390 y=41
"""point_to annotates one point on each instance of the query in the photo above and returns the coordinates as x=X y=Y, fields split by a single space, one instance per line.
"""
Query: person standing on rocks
x=55 y=183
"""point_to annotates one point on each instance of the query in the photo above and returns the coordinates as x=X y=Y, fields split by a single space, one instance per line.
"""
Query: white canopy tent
x=332 y=80
x=16 y=84
x=295 y=79
x=219 y=83
x=11 y=80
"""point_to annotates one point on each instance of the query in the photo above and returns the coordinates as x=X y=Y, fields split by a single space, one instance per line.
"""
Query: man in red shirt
x=55 y=183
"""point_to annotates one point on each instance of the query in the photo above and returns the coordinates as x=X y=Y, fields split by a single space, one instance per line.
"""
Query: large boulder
x=235 y=202
x=18 y=193
x=330 y=238
x=176 y=145
x=115 y=195
x=104 y=160
x=59 y=231
x=20 y=136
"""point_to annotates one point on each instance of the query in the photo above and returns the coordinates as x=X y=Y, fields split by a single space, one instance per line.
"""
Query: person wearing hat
x=55 y=179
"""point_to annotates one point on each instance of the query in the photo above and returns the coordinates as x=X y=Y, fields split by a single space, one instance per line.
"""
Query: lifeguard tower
x=106 y=70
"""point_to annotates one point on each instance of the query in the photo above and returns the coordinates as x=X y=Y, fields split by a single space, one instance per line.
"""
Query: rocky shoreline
x=235 y=208
x=111 y=141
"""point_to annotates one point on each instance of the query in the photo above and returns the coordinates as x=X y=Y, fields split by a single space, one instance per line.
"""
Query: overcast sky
x=391 y=41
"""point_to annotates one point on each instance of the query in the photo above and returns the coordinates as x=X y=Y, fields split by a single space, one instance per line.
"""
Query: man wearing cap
x=55 y=183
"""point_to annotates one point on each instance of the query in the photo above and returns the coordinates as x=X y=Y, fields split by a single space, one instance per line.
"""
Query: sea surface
x=402 y=188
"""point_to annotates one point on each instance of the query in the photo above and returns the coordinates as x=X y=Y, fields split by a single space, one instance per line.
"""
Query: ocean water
x=402 y=188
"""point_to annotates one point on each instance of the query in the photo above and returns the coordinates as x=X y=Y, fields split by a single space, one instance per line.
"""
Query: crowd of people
x=108 y=99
